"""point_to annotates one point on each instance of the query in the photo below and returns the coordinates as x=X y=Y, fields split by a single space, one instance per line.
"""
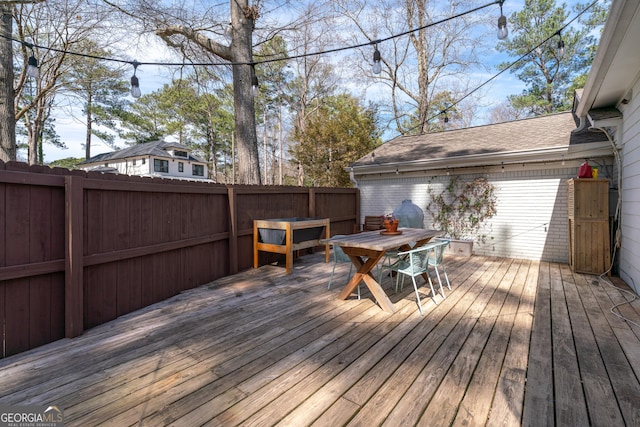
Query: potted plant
x=462 y=210
x=390 y=223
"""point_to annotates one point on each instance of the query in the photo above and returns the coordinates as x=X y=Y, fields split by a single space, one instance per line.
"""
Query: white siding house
x=528 y=162
x=614 y=84
x=157 y=158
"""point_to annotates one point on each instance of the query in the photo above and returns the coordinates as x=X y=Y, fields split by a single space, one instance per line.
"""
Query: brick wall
x=531 y=220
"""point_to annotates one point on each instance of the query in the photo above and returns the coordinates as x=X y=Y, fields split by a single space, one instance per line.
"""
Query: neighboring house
x=611 y=101
x=528 y=161
x=157 y=158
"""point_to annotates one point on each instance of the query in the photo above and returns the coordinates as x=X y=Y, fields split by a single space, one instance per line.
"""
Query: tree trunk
x=34 y=126
x=87 y=141
x=7 y=111
x=240 y=55
x=244 y=108
x=419 y=40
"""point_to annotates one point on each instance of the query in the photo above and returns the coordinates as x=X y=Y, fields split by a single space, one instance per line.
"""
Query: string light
x=135 y=83
x=503 y=31
x=277 y=59
x=502 y=27
x=560 y=45
x=32 y=68
x=377 y=67
x=255 y=85
x=32 y=64
x=508 y=67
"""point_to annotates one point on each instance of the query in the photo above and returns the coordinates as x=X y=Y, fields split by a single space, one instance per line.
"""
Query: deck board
x=516 y=342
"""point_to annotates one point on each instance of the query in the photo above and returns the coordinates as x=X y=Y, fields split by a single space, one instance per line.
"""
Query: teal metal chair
x=416 y=262
x=437 y=257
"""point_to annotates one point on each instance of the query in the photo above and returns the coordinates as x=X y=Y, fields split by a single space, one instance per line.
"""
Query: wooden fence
x=79 y=249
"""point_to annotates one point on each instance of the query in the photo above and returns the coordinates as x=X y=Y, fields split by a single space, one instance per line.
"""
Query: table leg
x=363 y=273
x=379 y=294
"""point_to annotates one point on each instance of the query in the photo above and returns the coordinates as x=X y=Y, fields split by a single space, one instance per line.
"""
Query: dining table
x=366 y=249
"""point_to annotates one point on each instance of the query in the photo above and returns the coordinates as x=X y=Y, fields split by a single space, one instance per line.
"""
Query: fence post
x=312 y=202
x=73 y=285
x=233 y=232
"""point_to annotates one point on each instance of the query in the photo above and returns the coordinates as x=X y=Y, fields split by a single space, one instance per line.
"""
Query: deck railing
x=79 y=249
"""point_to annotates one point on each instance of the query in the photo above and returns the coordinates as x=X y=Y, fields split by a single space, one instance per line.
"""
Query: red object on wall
x=585 y=170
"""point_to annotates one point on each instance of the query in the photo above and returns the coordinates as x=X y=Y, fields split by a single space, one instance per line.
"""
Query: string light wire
x=323 y=52
x=512 y=64
x=276 y=59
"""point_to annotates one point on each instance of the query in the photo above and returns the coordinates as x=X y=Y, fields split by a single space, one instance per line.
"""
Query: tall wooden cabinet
x=588 y=209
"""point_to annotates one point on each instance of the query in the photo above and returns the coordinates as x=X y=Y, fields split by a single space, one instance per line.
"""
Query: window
x=198 y=170
x=160 y=165
x=134 y=162
x=144 y=161
x=180 y=153
x=180 y=167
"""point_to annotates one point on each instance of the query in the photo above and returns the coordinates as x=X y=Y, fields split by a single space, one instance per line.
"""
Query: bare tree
x=198 y=35
x=7 y=108
x=507 y=111
x=315 y=76
x=427 y=60
x=57 y=26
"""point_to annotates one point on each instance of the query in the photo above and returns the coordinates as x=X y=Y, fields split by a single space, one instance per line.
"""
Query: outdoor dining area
x=407 y=251
x=513 y=342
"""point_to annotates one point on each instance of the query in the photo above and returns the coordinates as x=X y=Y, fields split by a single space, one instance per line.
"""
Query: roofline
x=613 y=33
x=566 y=152
x=478 y=126
x=192 y=159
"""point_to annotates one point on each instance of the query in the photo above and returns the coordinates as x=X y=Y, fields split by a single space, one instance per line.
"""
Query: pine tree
x=536 y=32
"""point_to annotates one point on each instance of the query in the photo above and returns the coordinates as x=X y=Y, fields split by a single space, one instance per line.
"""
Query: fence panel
x=31 y=244
x=79 y=249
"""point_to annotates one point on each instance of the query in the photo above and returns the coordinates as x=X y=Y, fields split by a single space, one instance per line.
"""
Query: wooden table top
x=381 y=242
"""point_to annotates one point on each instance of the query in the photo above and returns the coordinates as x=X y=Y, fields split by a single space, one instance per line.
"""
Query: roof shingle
x=554 y=130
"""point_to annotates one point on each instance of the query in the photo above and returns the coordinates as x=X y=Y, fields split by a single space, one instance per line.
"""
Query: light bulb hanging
x=135 y=83
x=255 y=85
x=503 y=31
x=377 y=66
x=560 y=46
x=32 y=67
x=32 y=64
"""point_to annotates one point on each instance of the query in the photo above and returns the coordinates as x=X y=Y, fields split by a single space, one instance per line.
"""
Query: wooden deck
x=514 y=343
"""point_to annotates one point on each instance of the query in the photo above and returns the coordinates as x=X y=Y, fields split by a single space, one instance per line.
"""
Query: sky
x=72 y=130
